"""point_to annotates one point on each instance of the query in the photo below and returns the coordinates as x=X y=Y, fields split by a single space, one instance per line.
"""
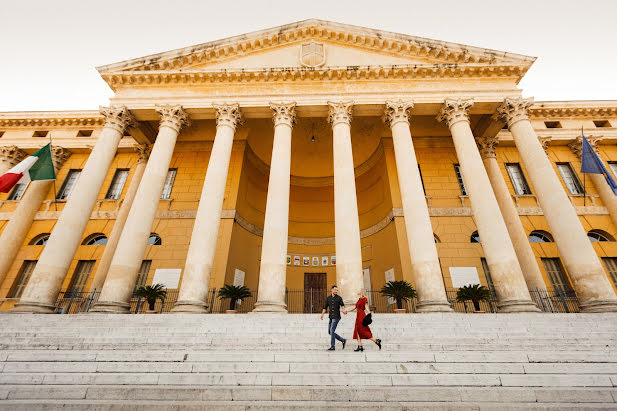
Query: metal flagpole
x=584 y=174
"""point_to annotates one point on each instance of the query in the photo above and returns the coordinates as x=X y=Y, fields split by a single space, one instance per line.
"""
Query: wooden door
x=315 y=292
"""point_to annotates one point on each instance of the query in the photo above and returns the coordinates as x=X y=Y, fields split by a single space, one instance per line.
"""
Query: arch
x=155 y=239
x=540 y=236
x=40 y=239
x=95 y=239
x=475 y=237
x=599 y=235
x=437 y=240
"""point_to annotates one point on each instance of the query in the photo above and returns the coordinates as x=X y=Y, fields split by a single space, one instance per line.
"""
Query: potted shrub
x=151 y=293
x=400 y=291
x=475 y=293
x=234 y=293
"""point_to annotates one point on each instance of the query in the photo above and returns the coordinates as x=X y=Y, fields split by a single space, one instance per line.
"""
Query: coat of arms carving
x=312 y=54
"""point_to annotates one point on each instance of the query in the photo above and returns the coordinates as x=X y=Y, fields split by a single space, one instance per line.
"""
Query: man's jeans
x=332 y=331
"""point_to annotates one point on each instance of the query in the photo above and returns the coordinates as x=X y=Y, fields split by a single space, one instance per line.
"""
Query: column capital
x=454 y=110
x=143 y=152
x=12 y=155
x=173 y=117
x=397 y=111
x=340 y=112
x=577 y=145
x=284 y=113
x=514 y=109
x=544 y=141
x=487 y=146
x=59 y=156
x=228 y=115
x=117 y=117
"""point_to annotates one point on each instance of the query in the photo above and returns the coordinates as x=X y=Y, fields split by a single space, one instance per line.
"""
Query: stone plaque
x=169 y=277
x=464 y=276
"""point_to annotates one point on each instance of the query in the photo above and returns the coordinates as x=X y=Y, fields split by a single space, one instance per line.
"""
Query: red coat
x=364 y=332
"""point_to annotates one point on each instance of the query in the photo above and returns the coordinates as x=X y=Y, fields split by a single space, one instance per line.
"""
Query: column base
x=110 y=307
x=189 y=306
x=32 y=307
x=599 y=306
x=434 y=306
x=269 y=307
x=517 y=306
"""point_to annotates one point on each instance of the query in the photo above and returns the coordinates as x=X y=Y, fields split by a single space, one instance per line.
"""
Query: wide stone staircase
x=268 y=361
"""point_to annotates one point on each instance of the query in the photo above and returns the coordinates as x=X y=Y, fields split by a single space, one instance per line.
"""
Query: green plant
x=151 y=293
x=399 y=290
x=475 y=293
x=234 y=293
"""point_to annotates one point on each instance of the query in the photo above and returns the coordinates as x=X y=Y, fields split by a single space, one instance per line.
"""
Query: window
x=611 y=266
x=68 y=184
x=80 y=277
x=539 y=236
x=599 y=235
x=459 y=177
x=487 y=274
x=169 y=183
x=40 y=239
x=552 y=124
x=601 y=123
x=40 y=133
x=142 y=275
x=155 y=239
x=518 y=178
x=569 y=178
x=117 y=184
x=421 y=179
x=22 y=279
x=84 y=133
x=555 y=274
x=95 y=239
x=18 y=192
x=475 y=237
x=613 y=166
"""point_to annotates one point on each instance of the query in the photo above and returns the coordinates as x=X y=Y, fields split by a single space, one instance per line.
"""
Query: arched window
x=437 y=240
x=155 y=239
x=475 y=237
x=599 y=235
x=95 y=239
x=540 y=236
x=40 y=239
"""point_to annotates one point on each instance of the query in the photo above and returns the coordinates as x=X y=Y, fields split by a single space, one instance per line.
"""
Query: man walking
x=334 y=302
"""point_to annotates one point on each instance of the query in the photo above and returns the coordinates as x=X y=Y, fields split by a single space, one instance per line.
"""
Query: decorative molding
x=514 y=109
x=143 y=152
x=284 y=113
x=454 y=110
x=397 y=111
x=56 y=119
x=228 y=115
x=487 y=146
x=540 y=111
x=12 y=155
x=59 y=156
x=340 y=112
x=173 y=117
x=312 y=54
x=577 y=144
x=544 y=141
x=117 y=117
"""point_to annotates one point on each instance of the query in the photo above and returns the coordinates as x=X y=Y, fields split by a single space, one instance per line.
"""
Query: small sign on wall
x=306 y=261
x=462 y=276
x=288 y=260
x=169 y=277
x=296 y=260
x=324 y=261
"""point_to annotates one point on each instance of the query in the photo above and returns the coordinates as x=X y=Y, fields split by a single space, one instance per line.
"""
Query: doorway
x=315 y=292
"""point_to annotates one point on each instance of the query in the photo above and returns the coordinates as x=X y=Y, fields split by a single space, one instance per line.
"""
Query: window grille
x=169 y=183
x=117 y=184
x=569 y=178
x=555 y=274
x=518 y=179
x=142 y=276
x=80 y=276
x=611 y=266
x=22 y=279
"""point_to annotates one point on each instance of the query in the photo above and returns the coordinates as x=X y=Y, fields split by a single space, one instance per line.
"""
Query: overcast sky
x=49 y=49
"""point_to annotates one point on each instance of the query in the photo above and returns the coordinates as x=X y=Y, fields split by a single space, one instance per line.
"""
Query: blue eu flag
x=592 y=163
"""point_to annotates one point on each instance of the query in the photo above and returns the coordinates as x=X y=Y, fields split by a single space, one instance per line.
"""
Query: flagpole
x=584 y=174
x=54 y=166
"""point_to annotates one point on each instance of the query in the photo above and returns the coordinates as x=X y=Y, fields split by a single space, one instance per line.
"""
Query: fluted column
x=583 y=265
x=10 y=156
x=420 y=239
x=520 y=240
x=349 y=275
x=17 y=228
x=45 y=282
x=200 y=257
x=120 y=281
x=273 y=267
x=509 y=282
x=143 y=152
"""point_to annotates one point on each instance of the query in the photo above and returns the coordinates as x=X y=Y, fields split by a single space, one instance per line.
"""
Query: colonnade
x=511 y=262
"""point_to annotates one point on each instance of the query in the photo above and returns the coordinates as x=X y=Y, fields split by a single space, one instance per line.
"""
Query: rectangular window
x=18 y=192
x=142 y=276
x=169 y=183
x=555 y=274
x=117 y=184
x=601 y=123
x=611 y=266
x=69 y=183
x=518 y=178
x=552 y=124
x=80 y=276
x=613 y=166
x=22 y=279
x=459 y=177
x=487 y=274
x=569 y=178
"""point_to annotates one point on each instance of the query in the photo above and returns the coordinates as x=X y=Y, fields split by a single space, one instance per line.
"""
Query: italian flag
x=38 y=166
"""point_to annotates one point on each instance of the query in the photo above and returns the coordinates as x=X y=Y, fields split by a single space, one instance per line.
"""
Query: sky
x=49 y=49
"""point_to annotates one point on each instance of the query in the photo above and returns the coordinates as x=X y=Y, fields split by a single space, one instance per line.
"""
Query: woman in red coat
x=360 y=331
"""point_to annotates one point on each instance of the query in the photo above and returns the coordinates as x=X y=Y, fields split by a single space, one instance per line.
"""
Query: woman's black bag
x=367 y=320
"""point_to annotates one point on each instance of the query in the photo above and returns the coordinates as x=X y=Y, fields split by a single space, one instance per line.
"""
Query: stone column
x=509 y=282
x=45 y=282
x=143 y=152
x=520 y=240
x=200 y=257
x=120 y=281
x=273 y=268
x=583 y=265
x=420 y=239
x=10 y=156
x=17 y=228
x=349 y=275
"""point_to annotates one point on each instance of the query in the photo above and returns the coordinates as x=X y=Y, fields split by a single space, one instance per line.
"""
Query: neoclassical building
x=306 y=155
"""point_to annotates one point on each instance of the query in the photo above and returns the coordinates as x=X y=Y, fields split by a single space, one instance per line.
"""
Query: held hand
x=345 y=312
x=321 y=317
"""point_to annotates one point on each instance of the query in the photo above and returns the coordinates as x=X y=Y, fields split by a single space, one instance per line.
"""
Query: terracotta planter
x=230 y=311
x=400 y=311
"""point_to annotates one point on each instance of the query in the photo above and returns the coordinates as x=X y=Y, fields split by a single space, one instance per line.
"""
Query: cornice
x=52 y=119
x=541 y=110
